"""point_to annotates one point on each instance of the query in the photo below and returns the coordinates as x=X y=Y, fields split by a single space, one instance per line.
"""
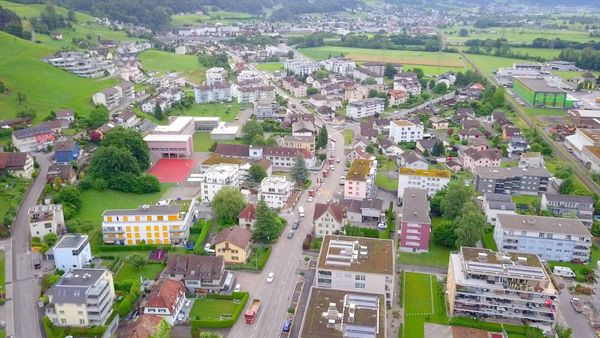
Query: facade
x=408 y=82
x=247 y=217
x=33 y=138
x=511 y=181
x=365 y=108
x=297 y=88
x=110 y=97
x=46 y=219
x=328 y=219
x=233 y=244
x=364 y=213
x=405 y=131
x=301 y=66
x=472 y=158
x=275 y=191
x=266 y=109
x=570 y=206
x=537 y=93
x=430 y=180
x=415 y=223
x=17 y=164
x=88 y=64
x=218 y=92
x=339 y=65
x=216 y=178
x=255 y=93
x=215 y=75
x=412 y=160
x=167 y=223
x=198 y=273
x=503 y=287
x=170 y=146
x=583 y=137
x=301 y=142
x=362 y=74
x=283 y=158
x=165 y=300
x=494 y=204
x=551 y=238
x=357 y=264
x=360 y=179
x=81 y=297
x=72 y=252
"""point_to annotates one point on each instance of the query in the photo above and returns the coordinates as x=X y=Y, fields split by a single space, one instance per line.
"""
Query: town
x=299 y=169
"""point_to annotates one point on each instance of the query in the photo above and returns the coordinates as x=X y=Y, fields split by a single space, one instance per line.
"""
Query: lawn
x=259 y=255
x=488 y=240
x=270 y=66
x=546 y=53
x=226 y=111
x=46 y=87
x=422 y=302
x=545 y=111
x=525 y=199
x=188 y=19
x=434 y=70
x=490 y=64
x=437 y=256
x=150 y=272
x=382 y=55
x=348 y=136
x=386 y=164
x=383 y=181
x=2 y=272
x=568 y=74
x=518 y=34
x=202 y=142
x=165 y=62
x=212 y=308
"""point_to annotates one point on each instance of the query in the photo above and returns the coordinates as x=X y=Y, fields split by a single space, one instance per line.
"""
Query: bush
x=264 y=258
x=141 y=247
x=199 y=247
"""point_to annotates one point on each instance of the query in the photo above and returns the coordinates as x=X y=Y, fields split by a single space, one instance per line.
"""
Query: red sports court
x=172 y=170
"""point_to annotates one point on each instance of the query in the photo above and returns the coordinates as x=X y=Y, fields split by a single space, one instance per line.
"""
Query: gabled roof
x=165 y=295
x=195 y=267
x=367 y=128
x=13 y=160
x=335 y=210
x=249 y=212
x=411 y=157
x=144 y=326
x=236 y=235
x=239 y=150
x=65 y=145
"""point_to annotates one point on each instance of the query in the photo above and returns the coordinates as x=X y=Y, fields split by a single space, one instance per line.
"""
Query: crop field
x=548 y=54
x=516 y=34
x=490 y=64
x=164 y=62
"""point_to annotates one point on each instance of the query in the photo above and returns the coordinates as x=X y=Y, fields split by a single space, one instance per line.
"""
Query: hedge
x=264 y=258
x=140 y=247
x=217 y=324
x=198 y=247
x=53 y=331
x=527 y=331
x=125 y=306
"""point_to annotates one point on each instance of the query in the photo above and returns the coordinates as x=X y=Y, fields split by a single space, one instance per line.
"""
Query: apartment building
x=284 y=158
x=494 y=204
x=46 y=219
x=216 y=178
x=215 y=75
x=415 y=223
x=357 y=264
x=165 y=223
x=365 y=108
x=72 y=252
x=339 y=65
x=84 y=64
x=405 y=131
x=328 y=219
x=198 y=273
x=218 y=92
x=408 y=82
x=472 y=158
x=300 y=66
x=81 y=297
x=362 y=74
x=570 y=206
x=255 y=93
x=33 y=138
x=17 y=164
x=551 y=238
x=504 y=287
x=430 y=180
x=511 y=181
x=275 y=191
x=301 y=142
x=360 y=179
x=297 y=88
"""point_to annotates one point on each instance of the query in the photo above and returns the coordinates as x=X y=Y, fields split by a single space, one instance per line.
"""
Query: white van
x=563 y=272
x=301 y=211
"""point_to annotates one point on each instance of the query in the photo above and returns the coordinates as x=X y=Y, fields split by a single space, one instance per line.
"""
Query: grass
x=571 y=74
x=386 y=164
x=188 y=19
x=546 y=53
x=488 y=240
x=381 y=55
x=384 y=182
x=517 y=34
x=227 y=112
x=46 y=87
x=202 y=142
x=164 y=62
x=270 y=66
x=12 y=189
x=149 y=271
x=2 y=271
x=348 y=136
x=434 y=70
x=545 y=111
x=212 y=308
x=257 y=255
x=422 y=302
x=526 y=199
x=490 y=64
x=437 y=256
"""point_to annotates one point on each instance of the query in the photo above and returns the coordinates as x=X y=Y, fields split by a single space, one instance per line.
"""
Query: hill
x=46 y=87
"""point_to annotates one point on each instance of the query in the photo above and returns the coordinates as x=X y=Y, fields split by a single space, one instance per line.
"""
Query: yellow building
x=167 y=223
x=233 y=244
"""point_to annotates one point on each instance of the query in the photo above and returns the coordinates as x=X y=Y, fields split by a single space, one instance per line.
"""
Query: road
x=24 y=288
x=576 y=321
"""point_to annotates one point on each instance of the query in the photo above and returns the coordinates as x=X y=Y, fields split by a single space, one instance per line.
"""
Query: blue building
x=66 y=151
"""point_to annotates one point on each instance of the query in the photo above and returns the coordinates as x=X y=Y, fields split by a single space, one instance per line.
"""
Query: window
x=61 y=312
x=359 y=285
x=63 y=321
x=82 y=321
x=359 y=277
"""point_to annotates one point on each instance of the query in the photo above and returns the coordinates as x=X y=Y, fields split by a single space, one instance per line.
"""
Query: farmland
x=515 y=34
x=212 y=16
x=164 y=62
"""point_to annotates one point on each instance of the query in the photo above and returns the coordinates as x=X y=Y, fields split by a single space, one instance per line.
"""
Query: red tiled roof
x=236 y=235
x=286 y=152
x=165 y=295
x=12 y=160
x=335 y=210
x=144 y=326
x=248 y=212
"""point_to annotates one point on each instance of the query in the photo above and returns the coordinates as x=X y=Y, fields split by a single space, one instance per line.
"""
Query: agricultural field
x=188 y=19
x=165 y=62
x=270 y=66
x=213 y=17
x=514 y=34
x=490 y=64
x=548 y=54
x=46 y=87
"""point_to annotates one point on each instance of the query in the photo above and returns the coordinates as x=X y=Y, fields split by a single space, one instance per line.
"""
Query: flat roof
x=207 y=119
x=568 y=226
x=429 y=173
x=71 y=241
x=166 y=138
x=592 y=134
x=359 y=254
x=223 y=128
x=415 y=206
x=166 y=209
x=503 y=173
x=359 y=169
x=539 y=85
x=403 y=123
x=176 y=125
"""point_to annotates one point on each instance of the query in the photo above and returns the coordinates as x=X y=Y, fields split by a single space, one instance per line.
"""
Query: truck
x=250 y=315
x=325 y=173
x=301 y=212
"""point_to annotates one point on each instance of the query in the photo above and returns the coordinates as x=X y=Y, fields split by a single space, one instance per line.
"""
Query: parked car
x=208 y=250
x=287 y=325
x=576 y=303
x=237 y=288
x=309 y=199
x=290 y=234
x=270 y=277
x=295 y=225
x=382 y=225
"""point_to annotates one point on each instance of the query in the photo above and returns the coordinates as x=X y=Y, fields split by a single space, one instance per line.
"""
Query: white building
x=218 y=92
x=215 y=75
x=45 y=219
x=360 y=179
x=339 y=65
x=405 y=131
x=494 y=204
x=275 y=190
x=216 y=178
x=166 y=300
x=72 y=252
x=301 y=66
x=365 y=108
x=430 y=180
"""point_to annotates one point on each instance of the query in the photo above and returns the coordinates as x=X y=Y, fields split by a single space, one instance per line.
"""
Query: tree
x=322 y=138
x=257 y=173
x=469 y=225
x=97 y=117
x=299 y=170
x=445 y=234
x=110 y=162
x=370 y=149
x=290 y=54
x=564 y=332
x=436 y=202
x=267 y=226
x=370 y=81
x=456 y=196
x=420 y=73
x=213 y=147
x=251 y=129
x=312 y=91
x=463 y=32
x=69 y=195
x=50 y=239
x=227 y=204
x=158 y=113
x=438 y=149
x=137 y=261
x=440 y=88
x=567 y=186
x=389 y=71
x=130 y=140
x=145 y=184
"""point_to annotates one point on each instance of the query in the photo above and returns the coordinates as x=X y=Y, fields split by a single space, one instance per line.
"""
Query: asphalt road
x=577 y=321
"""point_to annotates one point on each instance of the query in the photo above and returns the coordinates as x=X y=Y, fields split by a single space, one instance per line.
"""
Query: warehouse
x=537 y=93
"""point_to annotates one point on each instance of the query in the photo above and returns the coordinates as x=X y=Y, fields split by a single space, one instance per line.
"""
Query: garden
x=217 y=311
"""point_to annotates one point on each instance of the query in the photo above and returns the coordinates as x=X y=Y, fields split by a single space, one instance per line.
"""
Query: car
x=208 y=250
x=237 y=288
x=309 y=199
x=180 y=316
x=290 y=234
x=287 y=325
x=270 y=277
x=576 y=303
x=337 y=161
x=382 y=225
x=295 y=225
x=188 y=303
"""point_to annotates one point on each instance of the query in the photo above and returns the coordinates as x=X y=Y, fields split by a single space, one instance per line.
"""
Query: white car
x=270 y=277
x=237 y=288
x=309 y=199
x=180 y=316
x=382 y=225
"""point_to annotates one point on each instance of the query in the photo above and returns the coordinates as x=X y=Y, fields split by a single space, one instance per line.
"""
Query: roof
x=538 y=85
x=13 y=160
x=286 y=152
x=32 y=131
x=194 y=267
x=264 y=163
x=165 y=294
x=166 y=138
x=144 y=326
x=428 y=143
x=504 y=173
x=367 y=129
x=249 y=212
x=592 y=134
x=359 y=170
x=480 y=255
x=356 y=206
x=570 y=198
x=335 y=210
x=415 y=206
x=374 y=255
x=427 y=173
x=479 y=154
x=218 y=159
x=71 y=241
x=71 y=288
x=411 y=156
x=569 y=226
x=403 y=123
x=236 y=235
x=64 y=113
x=64 y=145
x=239 y=150
x=303 y=126
x=167 y=209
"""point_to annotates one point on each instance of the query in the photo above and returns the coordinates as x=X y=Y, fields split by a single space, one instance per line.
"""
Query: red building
x=415 y=224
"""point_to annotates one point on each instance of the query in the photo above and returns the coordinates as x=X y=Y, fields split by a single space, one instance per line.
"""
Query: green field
x=525 y=199
x=384 y=182
x=165 y=62
x=213 y=17
x=202 y=142
x=490 y=64
x=12 y=190
x=517 y=35
x=421 y=302
x=434 y=70
x=226 y=111
x=270 y=66
x=188 y=19
x=437 y=256
x=545 y=111
x=348 y=136
x=212 y=308
x=149 y=271
x=569 y=75
x=548 y=54
x=46 y=87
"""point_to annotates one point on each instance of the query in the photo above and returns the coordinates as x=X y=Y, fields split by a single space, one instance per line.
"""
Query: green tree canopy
x=110 y=162
x=257 y=173
x=469 y=225
x=268 y=225
x=227 y=204
x=251 y=129
x=137 y=261
x=299 y=170
x=457 y=195
x=130 y=140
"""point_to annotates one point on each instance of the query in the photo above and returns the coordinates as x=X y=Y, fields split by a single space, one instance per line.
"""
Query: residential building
x=233 y=244
x=511 y=181
x=300 y=66
x=405 y=131
x=275 y=191
x=339 y=65
x=84 y=64
x=198 y=273
x=216 y=178
x=412 y=160
x=430 y=180
x=390 y=148
x=166 y=223
x=300 y=142
x=494 y=204
x=267 y=109
x=362 y=74
x=408 y=82
x=33 y=138
x=144 y=326
x=165 y=300
x=360 y=179
x=297 y=88
x=531 y=160
x=570 y=206
x=397 y=97
x=365 y=108
x=359 y=153
x=415 y=223
x=303 y=128
x=72 y=252
x=379 y=67
x=17 y=164
x=66 y=151
x=504 y=287
x=284 y=158
x=364 y=213
x=357 y=264
x=46 y=219
x=110 y=97
x=65 y=173
x=551 y=238
x=328 y=219
x=472 y=158
x=517 y=145
x=247 y=217
x=215 y=75
x=438 y=123
x=218 y=92
x=255 y=93
x=82 y=298
x=66 y=115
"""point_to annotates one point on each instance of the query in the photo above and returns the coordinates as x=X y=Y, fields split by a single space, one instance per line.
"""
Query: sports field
x=421 y=301
x=172 y=170
x=164 y=62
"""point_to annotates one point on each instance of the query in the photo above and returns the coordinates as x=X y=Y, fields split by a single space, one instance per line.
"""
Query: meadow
x=212 y=17
x=165 y=62
x=515 y=34
x=269 y=66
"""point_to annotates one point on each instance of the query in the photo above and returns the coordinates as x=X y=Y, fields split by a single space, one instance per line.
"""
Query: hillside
x=46 y=87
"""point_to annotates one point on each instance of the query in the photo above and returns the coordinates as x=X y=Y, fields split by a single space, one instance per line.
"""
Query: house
x=362 y=74
x=328 y=219
x=413 y=160
x=389 y=148
x=365 y=108
x=531 y=160
x=357 y=264
x=427 y=145
x=404 y=130
x=72 y=251
x=438 y=123
x=33 y=138
x=509 y=131
x=472 y=158
x=397 y=97
x=470 y=123
x=65 y=173
x=511 y=181
x=360 y=179
x=17 y=164
x=110 y=97
x=218 y=92
x=66 y=115
x=300 y=142
x=363 y=213
x=144 y=326
x=463 y=114
x=368 y=129
x=303 y=128
x=551 y=238
x=297 y=88
x=126 y=119
x=284 y=158
x=46 y=219
x=165 y=300
x=216 y=178
x=408 y=82
x=66 y=151
x=358 y=153
x=233 y=244
x=247 y=217
x=431 y=180
x=570 y=206
x=198 y=273
x=275 y=191
x=267 y=109
x=470 y=134
x=81 y=298
x=494 y=204
x=517 y=145
x=415 y=223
